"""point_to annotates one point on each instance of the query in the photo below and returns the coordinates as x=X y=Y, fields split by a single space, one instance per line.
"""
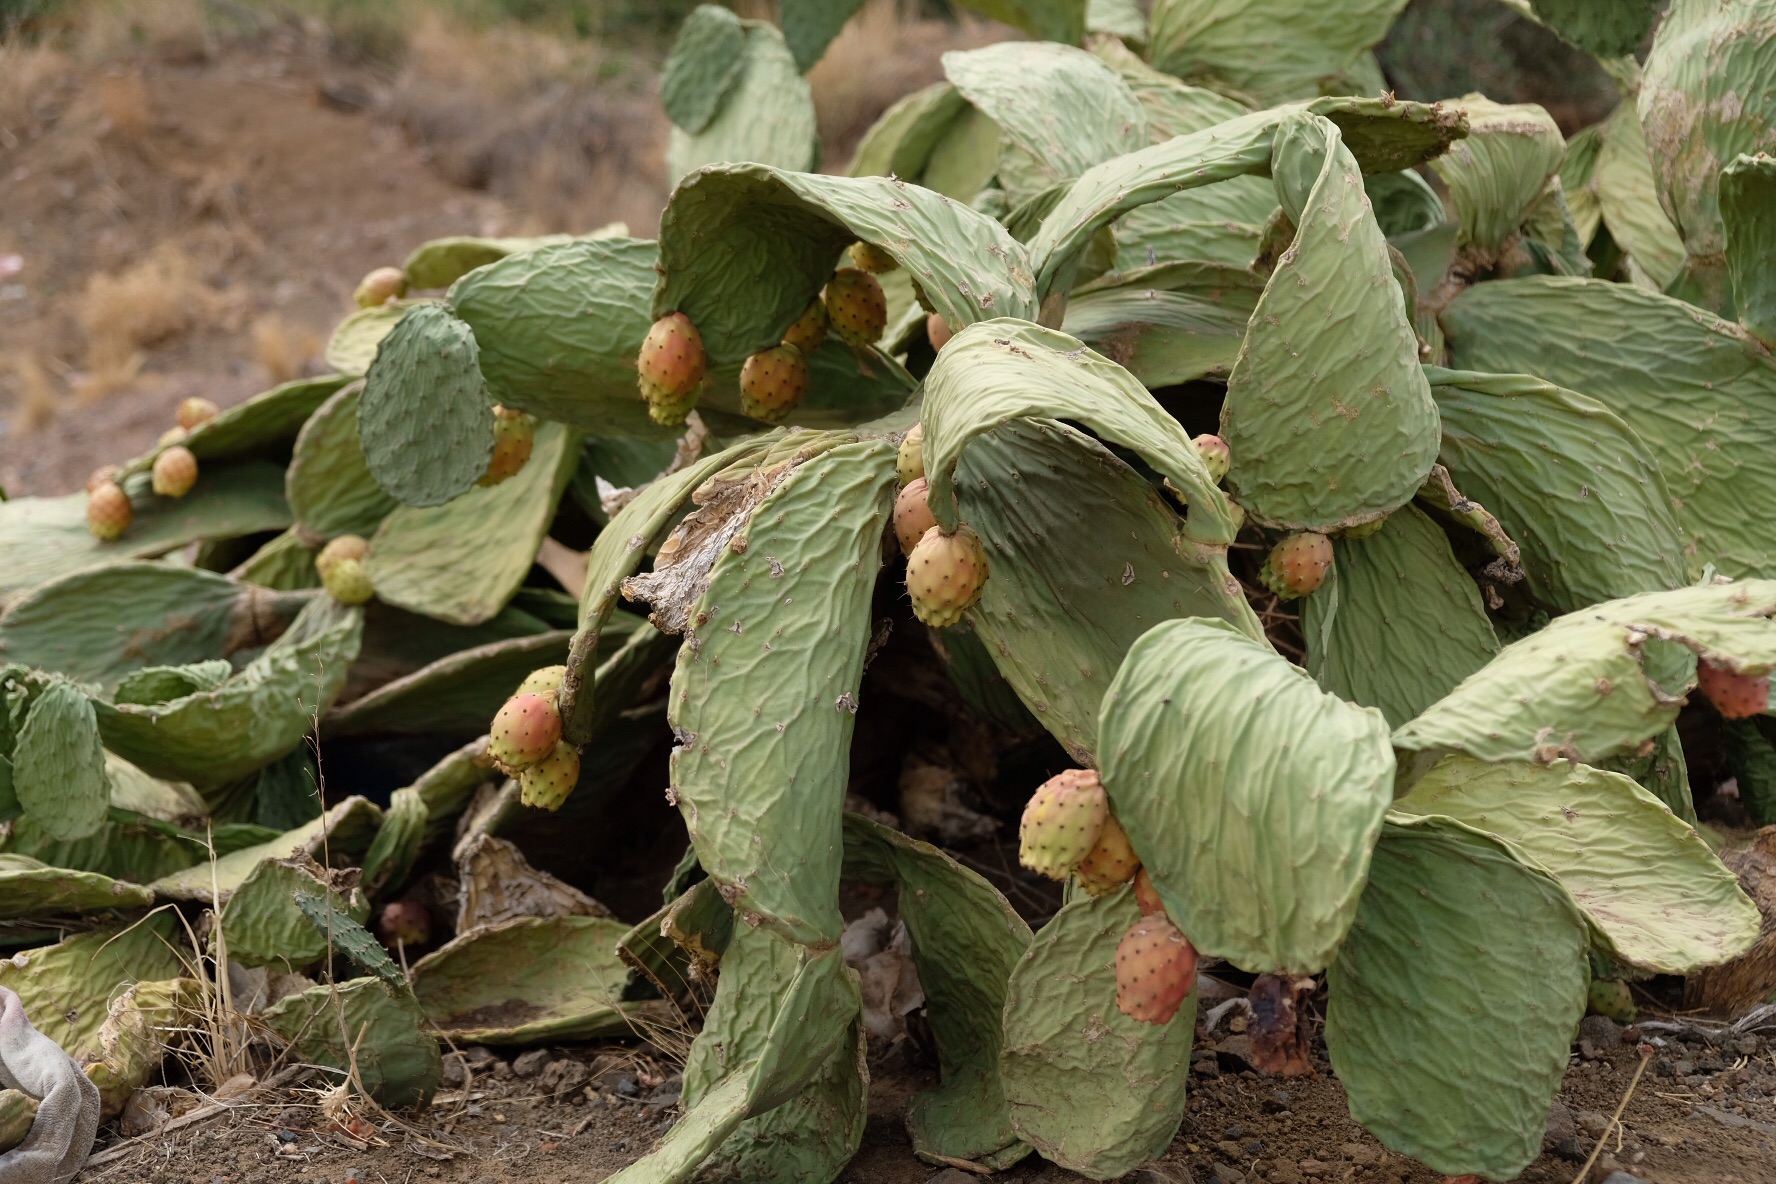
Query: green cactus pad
x=1627 y=198
x=766 y=114
x=1451 y=927
x=17 y=1112
x=211 y=737
x=1496 y=174
x=352 y=347
x=846 y=387
x=462 y=561
x=766 y=690
x=1272 y=50
x=808 y=27
x=153 y=685
x=684 y=939
x=67 y=987
x=707 y=59
x=397 y=845
x=1090 y=558
x=1399 y=622
x=1699 y=391
x=344 y=833
x=1608 y=29
x=1167 y=324
x=29 y=888
x=1748 y=216
x=558 y=329
x=455 y=693
x=1602 y=680
x=58 y=766
x=901 y=140
x=133 y=1038
x=262 y=925
x=395 y=1055
x=442 y=261
x=329 y=485
x=284 y=564
x=424 y=420
x=1572 y=484
x=1658 y=895
x=966 y=940
x=1091 y=1089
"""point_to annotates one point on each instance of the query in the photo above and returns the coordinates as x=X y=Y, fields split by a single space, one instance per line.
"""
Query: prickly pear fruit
x=1155 y=970
x=1734 y=695
x=194 y=411
x=1297 y=565
x=909 y=462
x=1216 y=455
x=346 y=546
x=404 y=923
x=938 y=331
x=544 y=680
x=348 y=582
x=1611 y=997
x=514 y=435
x=1111 y=861
x=855 y=306
x=108 y=511
x=546 y=784
x=525 y=731
x=380 y=286
x=173 y=435
x=944 y=575
x=1365 y=529
x=175 y=472
x=772 y=383
x=670 y=367
x=103 y=475
x=872 y=258
x=1063 y=822
x=1147 y=896
x=912 y=516
x=809 y=329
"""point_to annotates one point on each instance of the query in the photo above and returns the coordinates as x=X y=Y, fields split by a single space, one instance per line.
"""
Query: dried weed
x=147 y=304
x=282 y=350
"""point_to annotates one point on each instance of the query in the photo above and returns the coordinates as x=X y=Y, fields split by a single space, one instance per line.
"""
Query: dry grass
x=34 y=401
x=283 y=351
x=124 y=103
x=176 y=31
x=28 y=75
x=145 y=305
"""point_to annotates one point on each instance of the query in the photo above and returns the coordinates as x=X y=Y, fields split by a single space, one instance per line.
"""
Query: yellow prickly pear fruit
x=856 y=308
x=103 y=475
x=346 y=546
x=809 y=329
x=1366 y=529
x=871 y=258
x=909 y=463
x=380 y=286
x=912 y=516
x=514 y=435
x=173 y=435
x=944 y=575
x=108 y=511
x=194 y=412
x=1062 y=823
x=175 y=472
x=1216 y=455
x=1111 y=862
x=544 y=680
x=348 y=582
x=546 y=784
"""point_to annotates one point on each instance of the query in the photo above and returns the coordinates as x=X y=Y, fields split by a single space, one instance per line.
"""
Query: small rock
x=1256 y=1148
x=1592 y=1122
x=952 y=1176
x=1683 y=1068
x=667 y=1092
x=1600 y=1030
x=1230 y=1149
x=628 y=1086
x=502 y=1071
x=1312 y=1167
x=1357 y=1153
x=477 y=1056
x=1560 y=1124
x=1746 y=1046
x=531 y=1063
x=564 y=1076
x=1282 y=1173
x=1277 y=1101
x=1226 y=1175
x=1569 y=1149
x=1207 y=1067
x=1236 y=1131
x=1622 y=1178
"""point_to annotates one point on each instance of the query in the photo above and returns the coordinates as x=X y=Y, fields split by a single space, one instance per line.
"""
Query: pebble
x=531 y=1063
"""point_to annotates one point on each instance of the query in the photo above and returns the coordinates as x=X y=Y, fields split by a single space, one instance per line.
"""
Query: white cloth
x=68 y=1102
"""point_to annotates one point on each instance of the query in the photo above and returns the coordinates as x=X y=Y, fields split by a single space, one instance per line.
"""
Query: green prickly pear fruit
x=1298 y=565
x=1147 y=896
x=404 y=923
x=772 y=383
x=871 y=258
x=103 y=475
x=938 y=331
x=1611 y=997
x=1155 y=970
x=1063 y=822
x=514 y=435
x=809 y=329
x=1734 y=695
x=108 y=511
x=544 y=680
x=348 y=582
x=1111 y=862
x=944 y=575
x=912 y=516
x=1216 y=455
x=855 y=306
x=670 y=367
x=525 y=731
x=346 y=546
x=910 y=461
x=1236 y=513
x=546 y=784
x=1365 y=529
x=175 y=472
x=194 y=411
x=380 y=286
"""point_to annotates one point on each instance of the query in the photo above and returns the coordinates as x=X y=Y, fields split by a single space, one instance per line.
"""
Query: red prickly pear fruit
x=346 y=546
x=1063 y=822
x=909 y=462
x=514 y=435
x=1111 y=863
x=175 y=472
x=855 y=306
x=404 y=923
x=380 y=286
x=1155 y=970
x=1734 y=695
x=1364 y=529
x=103 y=475
x=525 y=731
x=670 y=368
x=348 y=582
x=1216 y=455
x=1297 y=565
x=108 y=511
x=939 y=332
x=944 y=575
x=772 y=383
x=912 y=516
x=871 y=258
x=544 y=680
x=546 y=784
x=809 y=329
x=194 y=412
x=1147 y=896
